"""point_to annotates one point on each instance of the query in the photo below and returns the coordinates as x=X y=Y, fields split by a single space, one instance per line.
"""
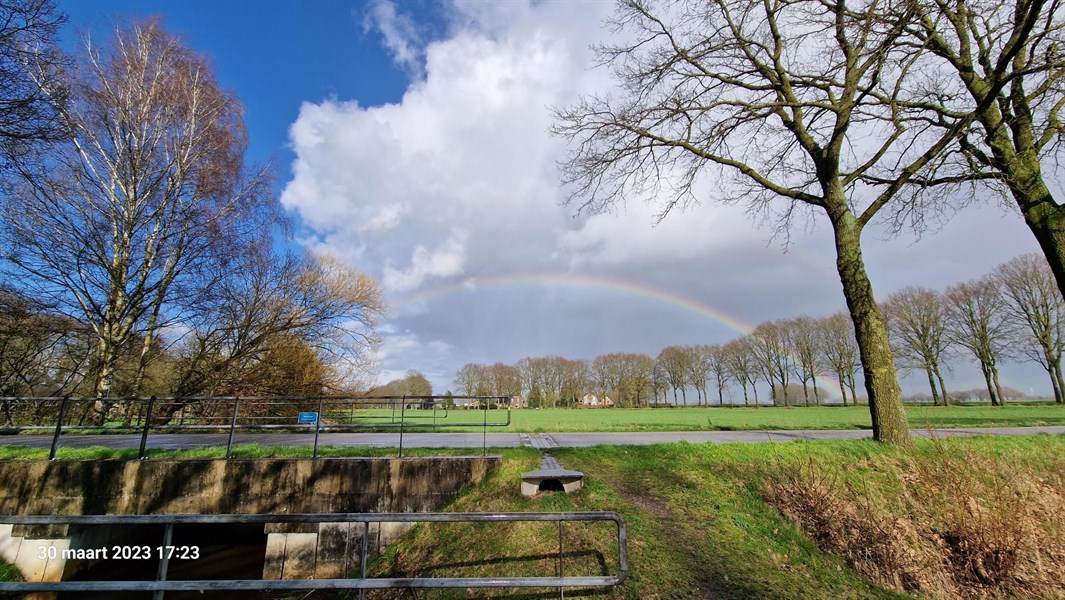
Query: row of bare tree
x=1014 y=313
x=138 y=248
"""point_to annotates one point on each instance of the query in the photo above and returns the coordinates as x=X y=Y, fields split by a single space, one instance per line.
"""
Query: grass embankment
x=700 y=524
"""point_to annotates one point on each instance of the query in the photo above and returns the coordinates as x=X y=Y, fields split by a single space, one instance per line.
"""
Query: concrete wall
x=239 y=487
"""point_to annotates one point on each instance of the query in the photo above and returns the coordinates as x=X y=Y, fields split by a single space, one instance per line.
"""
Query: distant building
x=518 y=402
x=593 y=401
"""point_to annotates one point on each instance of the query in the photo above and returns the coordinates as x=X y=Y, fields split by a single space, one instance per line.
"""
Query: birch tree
x=143 y=202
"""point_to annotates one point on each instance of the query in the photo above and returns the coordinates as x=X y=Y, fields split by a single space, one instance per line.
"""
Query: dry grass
x=944 y=524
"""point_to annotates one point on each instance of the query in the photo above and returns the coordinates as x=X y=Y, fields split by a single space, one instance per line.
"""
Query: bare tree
x=797 y=101
x=771 y=347
x=472 y=380
x=802 y=333
x=144 y=201
x=714 y=355
x=29 y=65
x=505 y=380
x=977 y=319
x=675 y=364
x=623 y=375
x=330 y=307
x=839 y=351
x=700 y=365
x=917 y=320
x=1002 y=63
x=743 y=366
x=1035 y=301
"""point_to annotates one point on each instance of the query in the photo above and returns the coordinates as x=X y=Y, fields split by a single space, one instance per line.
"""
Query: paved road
x=492 y=440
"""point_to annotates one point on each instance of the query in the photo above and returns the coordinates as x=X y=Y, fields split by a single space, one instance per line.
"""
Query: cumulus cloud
x=444 y=262
x=458 y=181
x=399 y=35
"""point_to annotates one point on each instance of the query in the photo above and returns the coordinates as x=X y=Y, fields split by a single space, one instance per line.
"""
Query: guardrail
x=304 y=414
x=362 y=582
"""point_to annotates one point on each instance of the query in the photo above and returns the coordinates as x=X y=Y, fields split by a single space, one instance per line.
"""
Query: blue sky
x=273 y=54
x=411 y=140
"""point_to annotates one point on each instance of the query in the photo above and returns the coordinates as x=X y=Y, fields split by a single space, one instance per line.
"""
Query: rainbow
x=584 y=282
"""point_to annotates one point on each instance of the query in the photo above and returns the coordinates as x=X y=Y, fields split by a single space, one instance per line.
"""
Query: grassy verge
x=699 y=522
x=239 y=451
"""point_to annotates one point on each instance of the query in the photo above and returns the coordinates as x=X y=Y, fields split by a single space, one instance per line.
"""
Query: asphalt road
x=491 y=440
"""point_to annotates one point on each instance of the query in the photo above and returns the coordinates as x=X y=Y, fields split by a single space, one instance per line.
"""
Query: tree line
x=1014 y=313
x=139 y=250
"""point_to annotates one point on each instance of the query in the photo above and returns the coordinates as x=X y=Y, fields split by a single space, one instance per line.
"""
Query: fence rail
x=363 y=582
x=305 y=414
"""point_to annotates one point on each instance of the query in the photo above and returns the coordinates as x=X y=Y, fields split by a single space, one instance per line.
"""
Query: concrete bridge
x=254 y=486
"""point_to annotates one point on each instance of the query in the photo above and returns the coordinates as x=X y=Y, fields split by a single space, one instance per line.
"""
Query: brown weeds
x=953 y=525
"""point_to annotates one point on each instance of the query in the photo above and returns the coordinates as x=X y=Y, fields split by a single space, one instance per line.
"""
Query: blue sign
x=308 y=418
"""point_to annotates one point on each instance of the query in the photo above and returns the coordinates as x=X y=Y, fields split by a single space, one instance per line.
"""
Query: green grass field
x=716 y=418
x=699 y=522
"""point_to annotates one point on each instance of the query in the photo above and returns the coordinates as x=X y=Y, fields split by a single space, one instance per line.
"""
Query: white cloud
x=444 y=262
x=398 y=32
x=458 y=181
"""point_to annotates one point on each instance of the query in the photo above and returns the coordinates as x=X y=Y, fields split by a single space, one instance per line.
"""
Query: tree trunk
x=942 y=386
x=817 y=396
x=986 y=369
x=998 y=388
x=1043 y=216
x=842 y=390
x=1059 y=385
x=870 y=329
x=932 y=384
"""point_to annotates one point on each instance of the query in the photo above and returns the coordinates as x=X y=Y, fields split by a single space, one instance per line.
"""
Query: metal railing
x=363 y=582
x=175 y=414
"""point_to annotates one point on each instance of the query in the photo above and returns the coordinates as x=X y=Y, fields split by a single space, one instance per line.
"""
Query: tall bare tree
x=771 y=347
x=839 y=351
x=977 y=319
x=700 y=365
x=145 y=199
x=917 y=318
x=743 y=366
x=802 y=332
x=780 y=99
x=1035 y=301
x=1003 y=63
x=675 y=364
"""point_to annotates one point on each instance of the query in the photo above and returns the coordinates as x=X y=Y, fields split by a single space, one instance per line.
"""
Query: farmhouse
x=593 y=401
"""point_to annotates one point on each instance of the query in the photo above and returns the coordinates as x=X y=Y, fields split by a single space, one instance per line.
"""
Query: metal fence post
x=561 y=593
x=232 y=427
x=364 y=557
x=147 y=424
x=58 y=427
x=164 y=558
x=402 y=422
x=318 y=426
x=484 y=432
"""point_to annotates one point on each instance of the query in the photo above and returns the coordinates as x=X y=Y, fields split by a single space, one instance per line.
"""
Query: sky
x=411 y=139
